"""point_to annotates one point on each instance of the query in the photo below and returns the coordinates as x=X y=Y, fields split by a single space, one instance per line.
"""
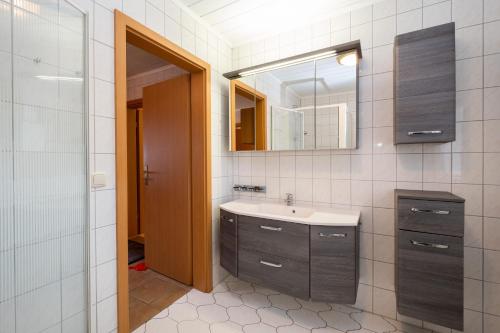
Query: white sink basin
x=305 y=215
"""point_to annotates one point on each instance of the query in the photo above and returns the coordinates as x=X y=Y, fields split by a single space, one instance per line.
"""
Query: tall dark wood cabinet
x=424 y=85
x=430 y=256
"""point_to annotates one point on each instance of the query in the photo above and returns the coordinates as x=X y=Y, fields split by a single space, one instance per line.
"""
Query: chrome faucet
x=289 y=199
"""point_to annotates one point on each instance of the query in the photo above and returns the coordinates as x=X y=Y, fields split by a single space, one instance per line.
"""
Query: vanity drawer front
x=430 y=278
x=439 y=217
x=228 y=242
x=278 y=273
x=334 y=264
x=284 y=239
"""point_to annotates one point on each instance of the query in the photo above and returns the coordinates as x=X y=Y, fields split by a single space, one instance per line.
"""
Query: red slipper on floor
x=139 y=267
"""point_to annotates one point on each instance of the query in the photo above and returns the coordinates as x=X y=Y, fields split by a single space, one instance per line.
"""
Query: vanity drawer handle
x=225 y=218
x=267 y=263
x=424 y=132
x=433 y=211
x=265 y=227
x=321 y=234
x=436 y=246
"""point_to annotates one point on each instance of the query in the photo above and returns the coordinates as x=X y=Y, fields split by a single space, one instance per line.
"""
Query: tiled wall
x=365 y=178
x=177 y=24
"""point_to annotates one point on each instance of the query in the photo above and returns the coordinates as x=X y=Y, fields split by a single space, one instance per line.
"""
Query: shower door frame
x=129 y=30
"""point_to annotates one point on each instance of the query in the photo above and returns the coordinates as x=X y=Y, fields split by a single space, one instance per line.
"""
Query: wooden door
x=167 y=190
x=133 y=213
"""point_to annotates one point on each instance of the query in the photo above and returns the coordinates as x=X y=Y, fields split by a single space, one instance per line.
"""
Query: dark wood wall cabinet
x=429 y=256
x=424 y=85
x=310 y=262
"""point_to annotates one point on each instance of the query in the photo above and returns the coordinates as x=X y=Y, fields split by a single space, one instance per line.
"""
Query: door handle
x=433 y=211
x=265 y=227
x=225 y=218
x=146 y=175
x=436 y=246
x=425 y=132
x=270 y=264
x=321 y=234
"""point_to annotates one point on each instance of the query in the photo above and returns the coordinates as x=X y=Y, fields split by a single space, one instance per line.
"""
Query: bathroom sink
x=298 y=214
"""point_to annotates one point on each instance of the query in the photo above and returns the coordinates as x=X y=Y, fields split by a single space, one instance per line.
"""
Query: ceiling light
x=288 y=63
x=59 y=78
x=348 y=59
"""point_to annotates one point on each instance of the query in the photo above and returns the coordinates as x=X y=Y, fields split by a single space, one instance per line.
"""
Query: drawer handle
x=321 y=234
x=433 y=211
x=230 y=220
x=424 y=132
x=270 y=264
x=436 y=246
x=266 y=227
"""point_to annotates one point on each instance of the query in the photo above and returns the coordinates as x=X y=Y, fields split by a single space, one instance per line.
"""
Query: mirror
x=296 y=105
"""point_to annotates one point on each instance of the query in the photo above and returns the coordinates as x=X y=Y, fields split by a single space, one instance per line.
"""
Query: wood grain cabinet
x=334 y=264
x=424 y=85
x=430 y=256
x=309 y=262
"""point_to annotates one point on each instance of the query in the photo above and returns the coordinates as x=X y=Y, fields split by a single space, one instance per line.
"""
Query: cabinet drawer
x=278 y=273
x=440 y=217
x=334 y=264
x=284 y=239
x=430 y=278
x=228 y=242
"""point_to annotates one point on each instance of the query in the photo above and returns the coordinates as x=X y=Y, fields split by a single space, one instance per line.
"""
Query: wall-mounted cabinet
x=307 y=101
x=424 y=85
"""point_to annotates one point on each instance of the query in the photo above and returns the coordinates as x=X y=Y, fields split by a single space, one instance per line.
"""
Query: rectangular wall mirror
x=305 y=102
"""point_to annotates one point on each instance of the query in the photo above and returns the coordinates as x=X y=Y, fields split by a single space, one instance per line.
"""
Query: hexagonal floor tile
x=339 y=321
x=373 y=322
x=243 y=315
x=196 y=297
x=182 y=311
x=274 y=317
x=240 y=287
x=221 y=287
x=193 y=326
x=165 y=325
x=259 y=328
x=306 y=318
x=140 y=329
x=212 y=313
x=226 y=327
x=284 y=302
x=255 y=300
x=314 y=306
x=326 y=330
x=293 y=329
x=265 y=291
x=345 y=308
x=228 y=299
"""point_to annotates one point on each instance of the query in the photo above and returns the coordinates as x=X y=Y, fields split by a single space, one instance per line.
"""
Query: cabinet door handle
x=225 y=218
x=270 y=264
x=411 y=133
x=266 y=227
x=321 y=234
x=436 y=246
x=433 y=211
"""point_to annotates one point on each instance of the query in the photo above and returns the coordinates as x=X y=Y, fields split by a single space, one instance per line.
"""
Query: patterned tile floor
x=235 y=306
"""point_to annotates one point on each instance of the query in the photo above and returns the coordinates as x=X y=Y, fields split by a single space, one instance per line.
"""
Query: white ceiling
x=242 y=21
x=140 y=61
x=330 y=75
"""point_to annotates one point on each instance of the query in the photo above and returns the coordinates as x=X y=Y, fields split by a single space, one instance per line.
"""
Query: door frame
x=127 y=30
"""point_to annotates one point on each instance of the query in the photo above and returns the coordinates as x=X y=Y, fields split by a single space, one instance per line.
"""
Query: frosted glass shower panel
x=43 y=167
x=287 y=128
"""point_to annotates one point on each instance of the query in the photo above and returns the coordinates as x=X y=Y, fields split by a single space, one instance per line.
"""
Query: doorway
x=163 y=172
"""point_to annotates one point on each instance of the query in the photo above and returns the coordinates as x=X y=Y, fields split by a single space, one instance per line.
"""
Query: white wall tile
x=106 y=280
x=492 y=136
x=383 y=248
x=409 y=21
x=384 y=9
x=491 y=10
x=492 y=75
x=384 y=31
x=155 y=19
x=105 y=244
x=409 y=168
x=384 y=167
x=104 y=25
x=437 y=168
x=469 y=103
x=407 y=5
x=492 y=298
x=135 y=9
x=466 y=13
x=492 y=233
x=491 y=102
x=473 y=196
x=469 y=73
x=107 y=315
x=491 y=195
x=467 y=168
x=469 y=42
x=437 y=14
x=384 y=302
x=468 y=137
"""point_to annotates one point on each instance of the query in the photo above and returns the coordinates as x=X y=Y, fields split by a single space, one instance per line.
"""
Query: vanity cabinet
x=430 y=256
x=424 y=85
x=306 y=261
x=229 y=242
x=334 y=264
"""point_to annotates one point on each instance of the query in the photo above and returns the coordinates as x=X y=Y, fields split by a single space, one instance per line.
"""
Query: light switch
x=99 y=179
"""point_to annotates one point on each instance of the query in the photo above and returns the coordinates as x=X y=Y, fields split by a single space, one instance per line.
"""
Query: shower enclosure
x=43 y=167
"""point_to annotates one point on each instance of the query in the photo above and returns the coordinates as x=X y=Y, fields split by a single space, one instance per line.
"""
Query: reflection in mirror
x=292 y=123
x=336 y=102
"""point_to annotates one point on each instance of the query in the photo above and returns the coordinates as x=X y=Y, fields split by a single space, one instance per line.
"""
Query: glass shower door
x=43 y=168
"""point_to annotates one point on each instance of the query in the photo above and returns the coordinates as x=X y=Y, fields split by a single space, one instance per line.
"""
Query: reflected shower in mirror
x=301 y=103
